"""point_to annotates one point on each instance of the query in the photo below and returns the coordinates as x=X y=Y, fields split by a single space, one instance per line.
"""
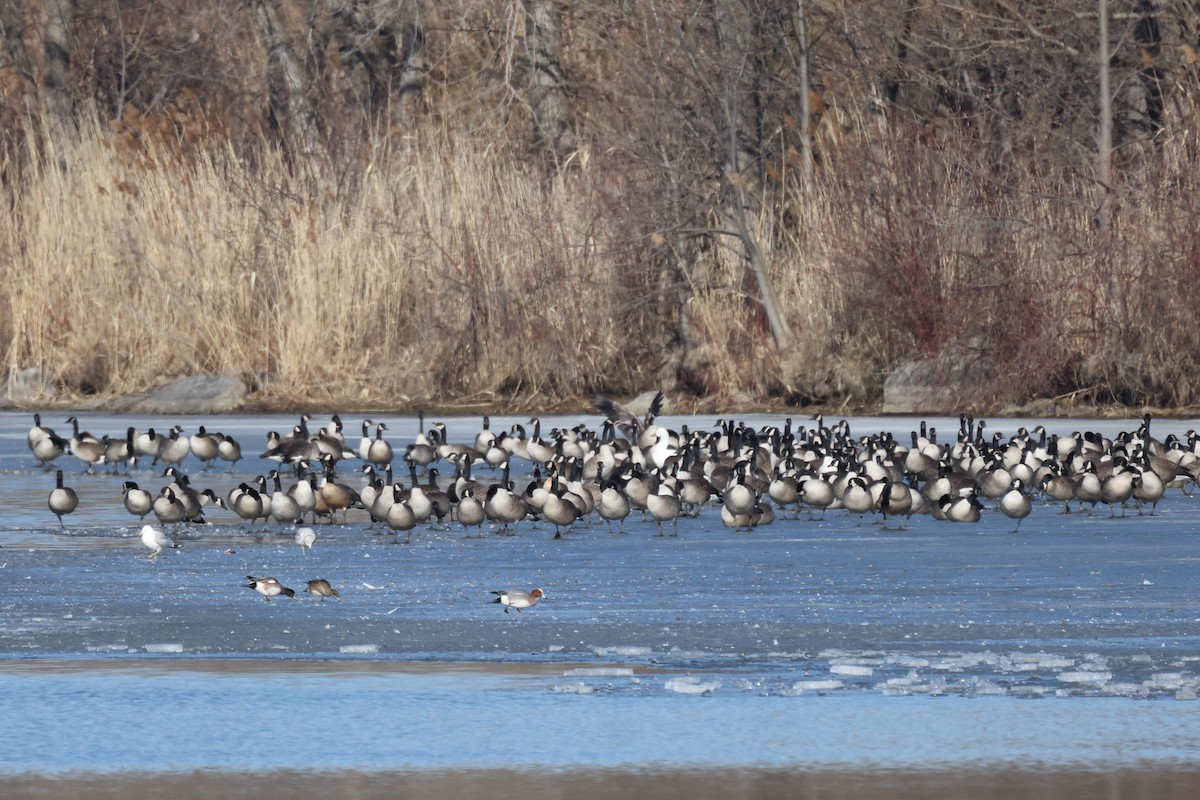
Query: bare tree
x=547 y=93
x=292 y=113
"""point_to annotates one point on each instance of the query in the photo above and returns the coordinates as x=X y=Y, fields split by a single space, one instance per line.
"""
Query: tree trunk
x=57 y=75
x=734 y=170
x=547 y=94
x=806 y=154
x=291 y=111
x=411 y=47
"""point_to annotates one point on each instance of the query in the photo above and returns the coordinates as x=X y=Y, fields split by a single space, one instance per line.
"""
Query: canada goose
x=816 y=492
x=613 y=505
x=76 y=435
x=169 y=509
x=469 y=512
x=421 y=453
x=891 y=497
x=557 y=508
x=503 y=505
x=268 y=587
x=784 y=489
x=960 y=509
x=320 y=587
x=304 y=492
x=90 y=451
x=740 y=498
x=39 y=431
x=147 y=444
x=380 y=452
x=1087 y=486
x=291 y=450
x=440 y=505
x=400 y=516
x=335 y=496
x=246 y=502
x=181 y=486
x=857 y=498
x=63 y=499
x=664 y=505
x=121 y=451
x=229 y=450
x=48 y=448
x=156 y=540
x=205 y=446
x=637 y=431
x=1015 y=503
x=485 y=439
x=1117 y=488
x=283 y=506
x=1148 y=488
x=539 y=450
x=175 y=448
x=138 y=502
x=327 y=444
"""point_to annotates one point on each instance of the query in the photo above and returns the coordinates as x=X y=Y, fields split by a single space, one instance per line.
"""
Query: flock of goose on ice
x=632 y=465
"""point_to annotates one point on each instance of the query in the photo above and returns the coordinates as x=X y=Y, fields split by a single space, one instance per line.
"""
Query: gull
x=305 y=537
x=515 y=598
x=156 y=540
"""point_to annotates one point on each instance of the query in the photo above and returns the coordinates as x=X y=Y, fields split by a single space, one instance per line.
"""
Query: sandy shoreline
x=979 y=783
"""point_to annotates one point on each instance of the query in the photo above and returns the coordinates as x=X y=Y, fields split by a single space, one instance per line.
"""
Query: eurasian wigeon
x=321 y=588
x=268 y=587
x=515 y=598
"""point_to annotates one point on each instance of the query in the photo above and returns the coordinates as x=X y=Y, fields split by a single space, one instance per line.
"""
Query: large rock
x=26 y=387
x=956 y=378
x=199 y=394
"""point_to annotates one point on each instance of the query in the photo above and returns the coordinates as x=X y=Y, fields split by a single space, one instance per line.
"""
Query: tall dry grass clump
x=445 y=274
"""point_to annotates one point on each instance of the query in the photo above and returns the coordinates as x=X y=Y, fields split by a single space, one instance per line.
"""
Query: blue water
x=144 y=718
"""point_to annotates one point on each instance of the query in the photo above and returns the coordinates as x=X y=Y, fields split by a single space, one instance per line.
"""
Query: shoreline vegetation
x=492 y=206
x=981 y=781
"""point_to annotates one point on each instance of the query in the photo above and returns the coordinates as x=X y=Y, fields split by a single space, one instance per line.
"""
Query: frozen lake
x=809 y=644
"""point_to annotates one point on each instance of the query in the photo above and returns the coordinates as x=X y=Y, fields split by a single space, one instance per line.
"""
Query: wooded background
x=481 y=201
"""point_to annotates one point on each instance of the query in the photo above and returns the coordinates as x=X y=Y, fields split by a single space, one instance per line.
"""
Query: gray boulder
x=198 y=394
x=26 y=387
x=956 y=378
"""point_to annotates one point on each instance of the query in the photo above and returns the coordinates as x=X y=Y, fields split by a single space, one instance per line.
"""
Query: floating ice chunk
x=573 y=688
x=1081 y=676
x=623 y=650
x=599 y=672
x=817 y=686
x=907 y=661
x=168 y=647
x=359 y=649
x=852 y=669
x=690 y=684
x=1166 y=680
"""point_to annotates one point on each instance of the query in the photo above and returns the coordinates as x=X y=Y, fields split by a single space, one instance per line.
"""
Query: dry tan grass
x=445 y=270
x=446 y=278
